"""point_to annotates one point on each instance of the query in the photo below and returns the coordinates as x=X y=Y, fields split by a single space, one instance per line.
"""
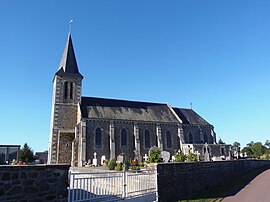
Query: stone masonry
x=179 y=181
x=34 y=183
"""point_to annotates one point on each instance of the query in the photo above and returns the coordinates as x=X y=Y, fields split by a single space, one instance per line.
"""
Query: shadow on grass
x=229 y=188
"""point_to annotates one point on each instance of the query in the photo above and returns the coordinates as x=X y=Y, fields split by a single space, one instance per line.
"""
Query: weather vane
x=70 y=22
x=190 y=105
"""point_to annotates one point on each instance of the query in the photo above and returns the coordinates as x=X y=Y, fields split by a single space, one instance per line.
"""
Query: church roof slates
x=188 y=116
x=100 y=108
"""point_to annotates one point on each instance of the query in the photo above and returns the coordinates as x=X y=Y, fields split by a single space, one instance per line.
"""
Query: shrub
x=135 y=167
x=106 y=161
x=192 y=157
x=112 y=164
x=119 y=167
x=179 y=157
x=155 y=156
x=126 y=162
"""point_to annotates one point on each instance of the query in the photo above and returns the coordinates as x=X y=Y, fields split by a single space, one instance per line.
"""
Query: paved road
x=258 y=190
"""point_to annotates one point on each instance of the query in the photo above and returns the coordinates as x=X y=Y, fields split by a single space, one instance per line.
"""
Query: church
x=81 y=126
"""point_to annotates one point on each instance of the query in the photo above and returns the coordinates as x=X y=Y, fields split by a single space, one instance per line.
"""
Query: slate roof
x=188 y=116
x=100 y=108
x=68 y=64
x=112 y=109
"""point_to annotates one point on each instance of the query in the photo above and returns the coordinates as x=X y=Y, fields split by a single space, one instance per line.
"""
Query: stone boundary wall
x=34 y=183
x=178 y=181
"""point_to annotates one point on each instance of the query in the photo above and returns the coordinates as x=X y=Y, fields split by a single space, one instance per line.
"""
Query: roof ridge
x=123 y=100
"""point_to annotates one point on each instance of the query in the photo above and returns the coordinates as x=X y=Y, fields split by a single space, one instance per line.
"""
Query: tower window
x=147 y=139
x=66 y=89
x=98 y=138
x=169 y=139
x=123 y=138
x=71 y=90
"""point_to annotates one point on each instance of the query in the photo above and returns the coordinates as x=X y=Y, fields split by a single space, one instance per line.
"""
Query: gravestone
x=206 y=153
x=173 y=158
x=103 y=158
x=120 y=159
x=95 y=159
x=165 y=156
x=145 y=157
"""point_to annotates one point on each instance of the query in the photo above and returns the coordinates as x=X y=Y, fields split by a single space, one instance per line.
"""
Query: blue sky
x=214 y=54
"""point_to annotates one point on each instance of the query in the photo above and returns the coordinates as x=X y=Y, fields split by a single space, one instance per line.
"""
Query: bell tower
x=67 y=87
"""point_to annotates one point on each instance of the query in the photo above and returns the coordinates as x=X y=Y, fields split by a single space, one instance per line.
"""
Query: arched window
x=147 y=139
x=169 y=139
x=123 y=138
x=98 y=138
x=66 y=89
x=71 y=90
x=190 y=138
x=205 y=138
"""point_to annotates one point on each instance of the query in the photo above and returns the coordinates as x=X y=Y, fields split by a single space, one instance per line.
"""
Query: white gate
x=110 y=186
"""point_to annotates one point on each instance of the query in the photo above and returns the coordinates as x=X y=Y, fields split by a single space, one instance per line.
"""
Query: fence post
x=156 y=176
x=124 y=184
x=69 y=186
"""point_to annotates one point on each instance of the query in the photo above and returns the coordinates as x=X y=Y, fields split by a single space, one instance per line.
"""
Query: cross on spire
x=70 y=25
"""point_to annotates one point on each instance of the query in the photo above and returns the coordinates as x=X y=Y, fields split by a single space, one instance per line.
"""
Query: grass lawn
x=227 y=189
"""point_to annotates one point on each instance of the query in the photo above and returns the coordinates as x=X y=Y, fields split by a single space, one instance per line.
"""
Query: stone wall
x=181 y=180
x=64 y=148
x=34 y=183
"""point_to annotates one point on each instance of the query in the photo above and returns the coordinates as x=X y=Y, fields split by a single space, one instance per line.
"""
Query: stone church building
x=82 y=125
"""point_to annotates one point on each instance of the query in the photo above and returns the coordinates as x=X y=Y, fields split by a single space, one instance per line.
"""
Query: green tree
x=267 y=143
x=155 y=156
x=250 y=144
x=258 y=149
x=179 y=156
x=236 y=149
x=27 y=154
x=248 y=151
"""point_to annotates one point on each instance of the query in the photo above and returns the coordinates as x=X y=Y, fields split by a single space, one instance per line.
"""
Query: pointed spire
x=68 y=64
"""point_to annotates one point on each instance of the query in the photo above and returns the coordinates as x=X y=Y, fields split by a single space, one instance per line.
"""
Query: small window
x=71 y=90
x=147 y=139
x=169 y=139
x=123 y=138
x=98 y=138
x=66 y=89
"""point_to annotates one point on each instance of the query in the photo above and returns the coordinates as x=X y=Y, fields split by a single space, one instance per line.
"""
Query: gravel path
x=258 y=190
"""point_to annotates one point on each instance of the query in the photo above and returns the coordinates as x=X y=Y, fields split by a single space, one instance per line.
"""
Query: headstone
x=145 y=157
x=206 y=153
x=95 y=159
x=165 y=156
x=173 y=158
x=103 y=158
x=120 y=159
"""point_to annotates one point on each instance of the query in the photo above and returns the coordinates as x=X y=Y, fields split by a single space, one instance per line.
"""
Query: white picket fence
x=110 y=186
